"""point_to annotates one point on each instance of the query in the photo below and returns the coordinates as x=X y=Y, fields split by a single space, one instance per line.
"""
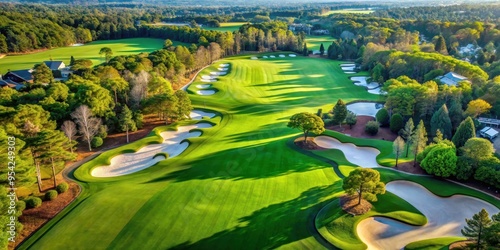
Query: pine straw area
x=349 y=203
x=309 y=145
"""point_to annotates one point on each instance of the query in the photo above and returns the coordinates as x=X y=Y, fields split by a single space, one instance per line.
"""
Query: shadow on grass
x=273 y=226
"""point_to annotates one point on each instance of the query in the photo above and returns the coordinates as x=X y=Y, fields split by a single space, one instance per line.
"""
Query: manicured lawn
x=431 y=244
x=240 y=184
x=348 y=11
x=314 y=42
x=88 y=51
x=231 y=26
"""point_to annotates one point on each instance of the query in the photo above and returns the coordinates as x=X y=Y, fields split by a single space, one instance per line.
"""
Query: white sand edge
x=365 y=157
x=205 y=92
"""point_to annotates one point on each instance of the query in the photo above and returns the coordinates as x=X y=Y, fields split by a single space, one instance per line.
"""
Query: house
x=55 y=65
x=451 y=79
x=488 y=132
x=321 y=32
x=10 y=84
x=59 y=69
x=19 y=76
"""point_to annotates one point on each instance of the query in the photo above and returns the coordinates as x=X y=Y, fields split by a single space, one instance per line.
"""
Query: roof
x=10 y=84
x=456 y=77
x=489 y=132
x=25 y=74
x=54 y=65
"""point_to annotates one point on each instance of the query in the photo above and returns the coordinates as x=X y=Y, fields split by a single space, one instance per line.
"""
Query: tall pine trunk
x=38 y=176
x=53 y=172
x=127 y=133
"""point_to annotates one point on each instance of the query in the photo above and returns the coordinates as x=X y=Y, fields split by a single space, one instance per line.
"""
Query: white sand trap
x=372 y=85
x=281 y=55
x=348 y=68
x=265 y=57
x=272 y=56
x=207 y=77
x=208 y=80
x=359 y=80
x=446 y=216
x=205 y=92
x=364 y=108
x=77 y=44
x=347 y=65
x=221 y=73
x=199 y=114
x=203 y=86
x=349 y=72
x=132 y=162
x=254 y=58
x=222 y=69
x=377 y=91
x=365 y=157
x=292 y=55
x=224 y=65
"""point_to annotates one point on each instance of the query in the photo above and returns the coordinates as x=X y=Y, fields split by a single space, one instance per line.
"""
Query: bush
x=103 y=131
x=32 y=202
x=396 y=123
x=96 y=142
x=383 y=117
x=372 y=127
x=51 y=195
x=328 y=122
x=63 y=187
x=327 y=116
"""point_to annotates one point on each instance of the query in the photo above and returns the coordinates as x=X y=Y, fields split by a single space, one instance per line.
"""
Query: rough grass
x=226 y=27
x=87 y=51
x=348 y=11
x=432 y=244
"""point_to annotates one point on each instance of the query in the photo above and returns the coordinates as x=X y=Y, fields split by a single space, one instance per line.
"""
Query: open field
x=232 y=26
x=314 y=42
x=87 y=51
x=240 y=184
x=347 y=11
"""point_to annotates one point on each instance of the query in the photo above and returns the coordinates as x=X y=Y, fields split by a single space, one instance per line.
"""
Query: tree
x=88 y=126
x=339 y=112
x=418 y=141
x=321 y=49
x=476 y=227
x=307 y=122
x=42 y=74
x=351 y=119
x=365 y=182
x=69 y=130
x=372 y=127
x=96 y=97
x=477 y=149
x=456 y=113
x=465 y=131
x=305 y=51
x=407 y=134
x=126 y=121
x=477 y=107
x=55 y=152
x=382 y=117
x=396 y=123
x=72 y=61
x=440 y=45
x=167 y=44
x=398 y=147
x=184 y=106
x=441 y=120
x=107 y=52
x=439 y=159
x=378 y=73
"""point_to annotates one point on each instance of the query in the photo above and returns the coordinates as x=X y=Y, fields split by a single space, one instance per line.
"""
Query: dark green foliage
x=51 y=195
x=365 y=183
x=465 y=131
x=440 y=160
x=456 y=113
x=96 y=142
x=371 y=127
x=464 y=168
x=441 y=120
x=478 y=149
x=418 y=141
x=62 y=187
x=42 y=74
x=320 y=113
x=476 y=226
x=351 y=118
x=383 y=117
x=339 y=112
x=307 y=122
x=433 y=74
x=396 y=123
x=378 y=73
x=321 y=49
x=33 y=202
x=126 y=121
x=440 y=45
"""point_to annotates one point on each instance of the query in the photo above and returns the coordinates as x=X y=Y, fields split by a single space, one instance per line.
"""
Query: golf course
x=238 y=181
x=88 y=51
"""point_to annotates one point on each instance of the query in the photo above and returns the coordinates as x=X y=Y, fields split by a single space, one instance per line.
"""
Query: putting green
x=87 y=51
x=241 y=184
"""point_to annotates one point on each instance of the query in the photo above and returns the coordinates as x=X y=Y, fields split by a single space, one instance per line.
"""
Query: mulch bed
x=358 y=130
x=309 y=145
x=349 y=204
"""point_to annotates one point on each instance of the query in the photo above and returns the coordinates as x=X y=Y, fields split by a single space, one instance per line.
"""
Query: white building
x=451 y=79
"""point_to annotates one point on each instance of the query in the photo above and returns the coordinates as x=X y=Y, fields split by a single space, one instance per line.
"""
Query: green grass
x=348 y=11
x=226 y=27
x=239 y=185
x=314 y=42
x=432 y=244
x=88 y=51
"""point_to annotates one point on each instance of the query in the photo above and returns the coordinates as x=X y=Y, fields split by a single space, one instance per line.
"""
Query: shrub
x=32 y=202
x=372 y=127
x=396 y=123
x=328 y=122
x=383 y=117
x=96 y=142
x=51 y=195
x=320 y=113
x=63 y=187
x=327 y=116
x=103 y=131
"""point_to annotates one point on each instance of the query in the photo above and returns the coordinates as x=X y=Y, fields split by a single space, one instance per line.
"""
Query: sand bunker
x=365 y=157
x=77 y=44
x=222 y=69
x=446 y=216
x=224 y=65
x=265 y=57
x=215 y=73
x=359 y=80
x=254 y=58
x=364 y=108
x=348 y=68
x=377 y=91
x=208 y=77
x=281 y=55
x=347 y=65
x=205 y=92
x=292 y=55
x=349 y=72
x=203 y=86
x=130 y=163
x=199 y=114
x=272 y=56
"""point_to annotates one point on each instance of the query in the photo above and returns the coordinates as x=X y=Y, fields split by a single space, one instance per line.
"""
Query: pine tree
x=440 y=45
x=42 y=74
x=126 y=121
x=476 y=227
x=55 y=151
x=321 y=50
x=465 y=131
x=305 y=52
x=407 y=134
x=71 y=61
x=456 y=113
x=184 y=106
x=397 y=148
x=418 y=141
x=441 y=120
x=339 y=112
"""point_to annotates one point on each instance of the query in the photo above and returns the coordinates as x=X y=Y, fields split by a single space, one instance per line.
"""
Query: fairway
x=240 y=185
x=314 y=42
x=231 y=26
x=348 y=11
x=87 y=51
